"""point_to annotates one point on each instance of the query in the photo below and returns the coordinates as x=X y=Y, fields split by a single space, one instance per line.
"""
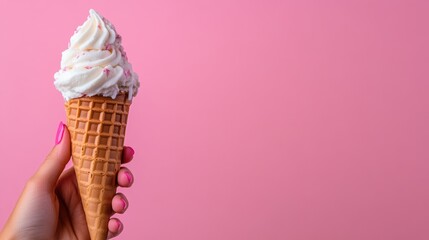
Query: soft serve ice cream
x=95 y=63
x=98 y=84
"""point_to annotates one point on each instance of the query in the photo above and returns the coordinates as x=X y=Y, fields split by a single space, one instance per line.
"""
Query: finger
x=115 y=228
x=119 y=203
x=125 y=177
x=55 y=162
x=127 y=154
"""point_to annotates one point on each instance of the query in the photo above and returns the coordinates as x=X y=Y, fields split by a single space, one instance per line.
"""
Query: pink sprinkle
x=124 y=55
x=88 y=67
x=127 y=73
x=99 y=27
x=108 y=46
x=107 y=71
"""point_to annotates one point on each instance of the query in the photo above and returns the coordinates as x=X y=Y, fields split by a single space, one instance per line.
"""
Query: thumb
x=55 y=162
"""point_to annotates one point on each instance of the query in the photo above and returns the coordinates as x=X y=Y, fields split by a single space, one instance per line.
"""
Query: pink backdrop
x=256 y=119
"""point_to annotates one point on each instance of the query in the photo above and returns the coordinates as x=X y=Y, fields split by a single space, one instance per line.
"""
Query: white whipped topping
x=95 y=63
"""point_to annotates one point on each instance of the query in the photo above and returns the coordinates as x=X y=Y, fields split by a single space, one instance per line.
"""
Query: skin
x=50 y=206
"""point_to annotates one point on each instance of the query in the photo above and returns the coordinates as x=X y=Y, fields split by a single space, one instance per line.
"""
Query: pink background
x=255 y=120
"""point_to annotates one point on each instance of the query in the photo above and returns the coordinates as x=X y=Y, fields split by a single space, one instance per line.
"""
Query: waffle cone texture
x=97 y=129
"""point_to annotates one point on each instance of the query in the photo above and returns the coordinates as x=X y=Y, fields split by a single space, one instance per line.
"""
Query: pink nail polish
x=131 y=151
x=129 y=177
x=120 y=226
x=124 y=204
x=60 y=133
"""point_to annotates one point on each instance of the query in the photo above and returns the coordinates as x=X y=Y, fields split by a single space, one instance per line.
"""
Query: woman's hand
x=50 y=206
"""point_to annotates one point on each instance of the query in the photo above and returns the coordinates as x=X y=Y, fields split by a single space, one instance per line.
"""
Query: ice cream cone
x=97 y=129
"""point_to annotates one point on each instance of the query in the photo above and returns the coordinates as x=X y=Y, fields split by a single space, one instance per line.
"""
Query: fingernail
x=60 y=133
x=124 y=204
x=132 y=151
x=129 y=177
x=120 y=226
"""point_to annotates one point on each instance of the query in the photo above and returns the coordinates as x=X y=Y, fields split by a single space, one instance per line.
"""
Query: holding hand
x=50 y=206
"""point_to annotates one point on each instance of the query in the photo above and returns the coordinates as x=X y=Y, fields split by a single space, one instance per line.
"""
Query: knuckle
x=34 y=182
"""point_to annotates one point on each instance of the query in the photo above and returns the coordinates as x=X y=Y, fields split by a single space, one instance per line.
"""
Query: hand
x=50 y=206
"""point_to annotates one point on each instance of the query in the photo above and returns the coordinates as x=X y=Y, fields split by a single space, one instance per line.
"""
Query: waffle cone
x=97 y=129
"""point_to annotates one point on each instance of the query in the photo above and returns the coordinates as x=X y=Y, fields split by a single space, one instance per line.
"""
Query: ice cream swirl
x=95 y=63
